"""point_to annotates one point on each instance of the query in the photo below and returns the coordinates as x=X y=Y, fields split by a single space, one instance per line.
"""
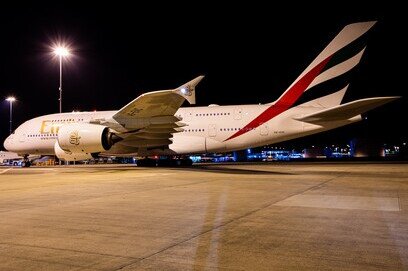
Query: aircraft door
x=237 y=113
x=188 y=116
x=264 y=130
x=212 y=130
x=22 y=138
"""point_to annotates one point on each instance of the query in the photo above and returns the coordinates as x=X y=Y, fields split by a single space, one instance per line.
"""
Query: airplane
x=154 y=124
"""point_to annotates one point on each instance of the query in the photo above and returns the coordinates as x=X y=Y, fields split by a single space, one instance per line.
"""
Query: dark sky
x=248 y=53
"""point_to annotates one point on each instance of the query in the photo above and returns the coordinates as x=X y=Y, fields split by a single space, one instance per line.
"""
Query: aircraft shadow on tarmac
x=228 y=170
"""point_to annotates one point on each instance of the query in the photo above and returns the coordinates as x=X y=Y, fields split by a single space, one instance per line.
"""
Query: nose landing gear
x=26 y=162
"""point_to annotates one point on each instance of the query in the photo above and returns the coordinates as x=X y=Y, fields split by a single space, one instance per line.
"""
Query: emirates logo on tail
x=74 y=138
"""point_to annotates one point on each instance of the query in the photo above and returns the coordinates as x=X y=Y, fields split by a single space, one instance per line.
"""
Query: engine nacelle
x=70 y=156
x=85 y=138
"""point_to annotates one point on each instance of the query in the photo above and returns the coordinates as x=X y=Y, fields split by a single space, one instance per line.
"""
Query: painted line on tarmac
x=32 y=168
x=5 y=170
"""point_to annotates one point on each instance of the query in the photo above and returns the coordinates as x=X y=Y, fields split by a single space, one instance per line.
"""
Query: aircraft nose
x=8 y=143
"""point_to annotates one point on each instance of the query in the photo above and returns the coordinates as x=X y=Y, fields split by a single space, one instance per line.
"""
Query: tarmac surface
x=290 y=216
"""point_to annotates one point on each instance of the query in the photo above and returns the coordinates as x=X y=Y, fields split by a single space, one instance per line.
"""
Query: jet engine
x=71 y=156
x=79 y=141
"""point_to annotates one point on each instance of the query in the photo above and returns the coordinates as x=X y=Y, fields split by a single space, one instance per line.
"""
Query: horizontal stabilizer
x=347 y=110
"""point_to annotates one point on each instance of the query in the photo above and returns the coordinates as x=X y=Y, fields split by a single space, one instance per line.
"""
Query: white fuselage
x=208 y=129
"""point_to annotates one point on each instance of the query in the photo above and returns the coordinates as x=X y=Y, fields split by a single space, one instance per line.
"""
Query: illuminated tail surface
x=340 y=56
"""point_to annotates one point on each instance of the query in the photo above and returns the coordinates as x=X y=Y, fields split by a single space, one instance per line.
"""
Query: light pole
x=61 y=52
x=11 y=99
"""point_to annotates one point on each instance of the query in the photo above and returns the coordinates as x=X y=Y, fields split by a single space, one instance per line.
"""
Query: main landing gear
x=26 y=162
x=164 y=162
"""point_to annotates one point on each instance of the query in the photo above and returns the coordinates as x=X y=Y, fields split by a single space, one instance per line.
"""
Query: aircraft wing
x=158 y=103
x=347 y=110
x=149 y=119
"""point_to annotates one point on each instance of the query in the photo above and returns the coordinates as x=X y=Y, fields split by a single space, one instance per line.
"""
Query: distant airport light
x=11 y=99
x=61 y=51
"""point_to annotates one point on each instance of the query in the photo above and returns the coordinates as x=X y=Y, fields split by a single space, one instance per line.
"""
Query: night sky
x=249 y=54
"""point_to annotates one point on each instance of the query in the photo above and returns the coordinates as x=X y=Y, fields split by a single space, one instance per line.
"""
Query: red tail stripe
x=286 y=101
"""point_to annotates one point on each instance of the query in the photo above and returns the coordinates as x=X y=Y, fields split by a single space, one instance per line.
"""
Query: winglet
x=187 y=90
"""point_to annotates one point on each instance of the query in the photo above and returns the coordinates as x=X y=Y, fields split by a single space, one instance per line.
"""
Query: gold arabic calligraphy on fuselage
x=51 y=127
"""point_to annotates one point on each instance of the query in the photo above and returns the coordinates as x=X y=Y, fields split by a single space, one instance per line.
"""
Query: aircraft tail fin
x=342 y=54
x=327 y=101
